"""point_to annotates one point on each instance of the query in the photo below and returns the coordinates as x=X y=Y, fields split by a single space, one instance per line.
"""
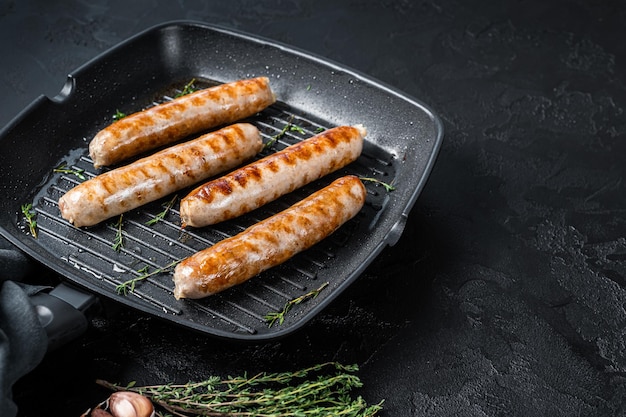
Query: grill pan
x=403 y=139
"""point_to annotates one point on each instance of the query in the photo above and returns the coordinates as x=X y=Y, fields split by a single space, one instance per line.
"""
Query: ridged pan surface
x=403 y=139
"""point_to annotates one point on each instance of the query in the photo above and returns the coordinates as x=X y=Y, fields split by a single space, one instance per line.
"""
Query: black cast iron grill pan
x=402 y=143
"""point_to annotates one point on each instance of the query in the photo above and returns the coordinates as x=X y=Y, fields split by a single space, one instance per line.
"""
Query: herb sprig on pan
x=296 y=128
x=166 y=208
x=289 y=127
x=129 y=286
x=63 y=169
x=279 y=316
x=118 y=242
x=30 y=216
x=118 y=115
x=320 y=390
x=187 y=89
x=388 y=187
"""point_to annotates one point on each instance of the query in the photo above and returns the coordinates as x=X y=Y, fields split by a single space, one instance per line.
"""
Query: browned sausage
x=165 y=123
x=262 y=181
x=127 y=187
x=269 y=242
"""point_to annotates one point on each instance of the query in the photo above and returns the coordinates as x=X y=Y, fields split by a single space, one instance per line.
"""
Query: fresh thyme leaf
x=118 y=115
x=129 y=286
x=279 y=316
x=388 y=187
x=30 y=215
x=279 y=135
x=295 y=128
x=63 y=169
x=320 y=390
x=162 y=214
x=288 y=127
x=187 y=89
x=118 y=243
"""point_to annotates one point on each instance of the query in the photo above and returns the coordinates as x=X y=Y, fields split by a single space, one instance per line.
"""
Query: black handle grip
x=63 y=313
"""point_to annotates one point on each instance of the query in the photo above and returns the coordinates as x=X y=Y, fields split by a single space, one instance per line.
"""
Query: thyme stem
x=387 y=186
x=129 y=285
x=30 y=215
x=279 y=316
x=280 y=134
x=167 y=207
x=63 y=169
x=118 y=115
x=187 y=89
x=118 y=242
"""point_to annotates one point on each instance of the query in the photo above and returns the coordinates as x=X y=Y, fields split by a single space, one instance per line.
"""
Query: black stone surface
x=506 y=294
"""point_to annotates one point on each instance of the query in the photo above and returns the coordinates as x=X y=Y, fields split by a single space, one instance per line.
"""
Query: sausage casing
x=165 y=123
x=155 y=176
x=262 y=181
x=271 y=241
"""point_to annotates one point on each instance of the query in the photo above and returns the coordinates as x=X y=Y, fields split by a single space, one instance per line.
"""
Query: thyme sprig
x=187 y=89
x=129 y=286
x=166 y=208
x=118 y=241
x=289 y=127
x=118 y=115
x=30 y=215
x=296 y=128
x=320 y=390
x=63 y=169
x=279 y=316
x=279 y=135
x=387 y=186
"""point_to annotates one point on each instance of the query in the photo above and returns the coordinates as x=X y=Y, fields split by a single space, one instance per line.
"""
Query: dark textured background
x=506 y=294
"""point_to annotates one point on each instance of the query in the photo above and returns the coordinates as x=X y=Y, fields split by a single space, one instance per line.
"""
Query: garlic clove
x=130 y=404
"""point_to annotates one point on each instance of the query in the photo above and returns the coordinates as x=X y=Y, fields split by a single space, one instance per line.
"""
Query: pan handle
x=63 y=313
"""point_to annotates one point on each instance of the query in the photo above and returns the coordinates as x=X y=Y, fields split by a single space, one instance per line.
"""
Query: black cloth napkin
x=23 y=340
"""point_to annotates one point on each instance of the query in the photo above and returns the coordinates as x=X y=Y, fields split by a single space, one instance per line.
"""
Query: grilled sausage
x=127 y=187
x=269 y=242
x=262 y=181
x=176 y=119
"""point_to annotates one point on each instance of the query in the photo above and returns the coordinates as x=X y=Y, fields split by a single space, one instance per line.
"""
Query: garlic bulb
x=130 y=404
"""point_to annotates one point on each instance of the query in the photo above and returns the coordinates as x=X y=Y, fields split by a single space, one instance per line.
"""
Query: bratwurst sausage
x=262 y=181
x=271 y=241
x=176 y=119
x=155 y=176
